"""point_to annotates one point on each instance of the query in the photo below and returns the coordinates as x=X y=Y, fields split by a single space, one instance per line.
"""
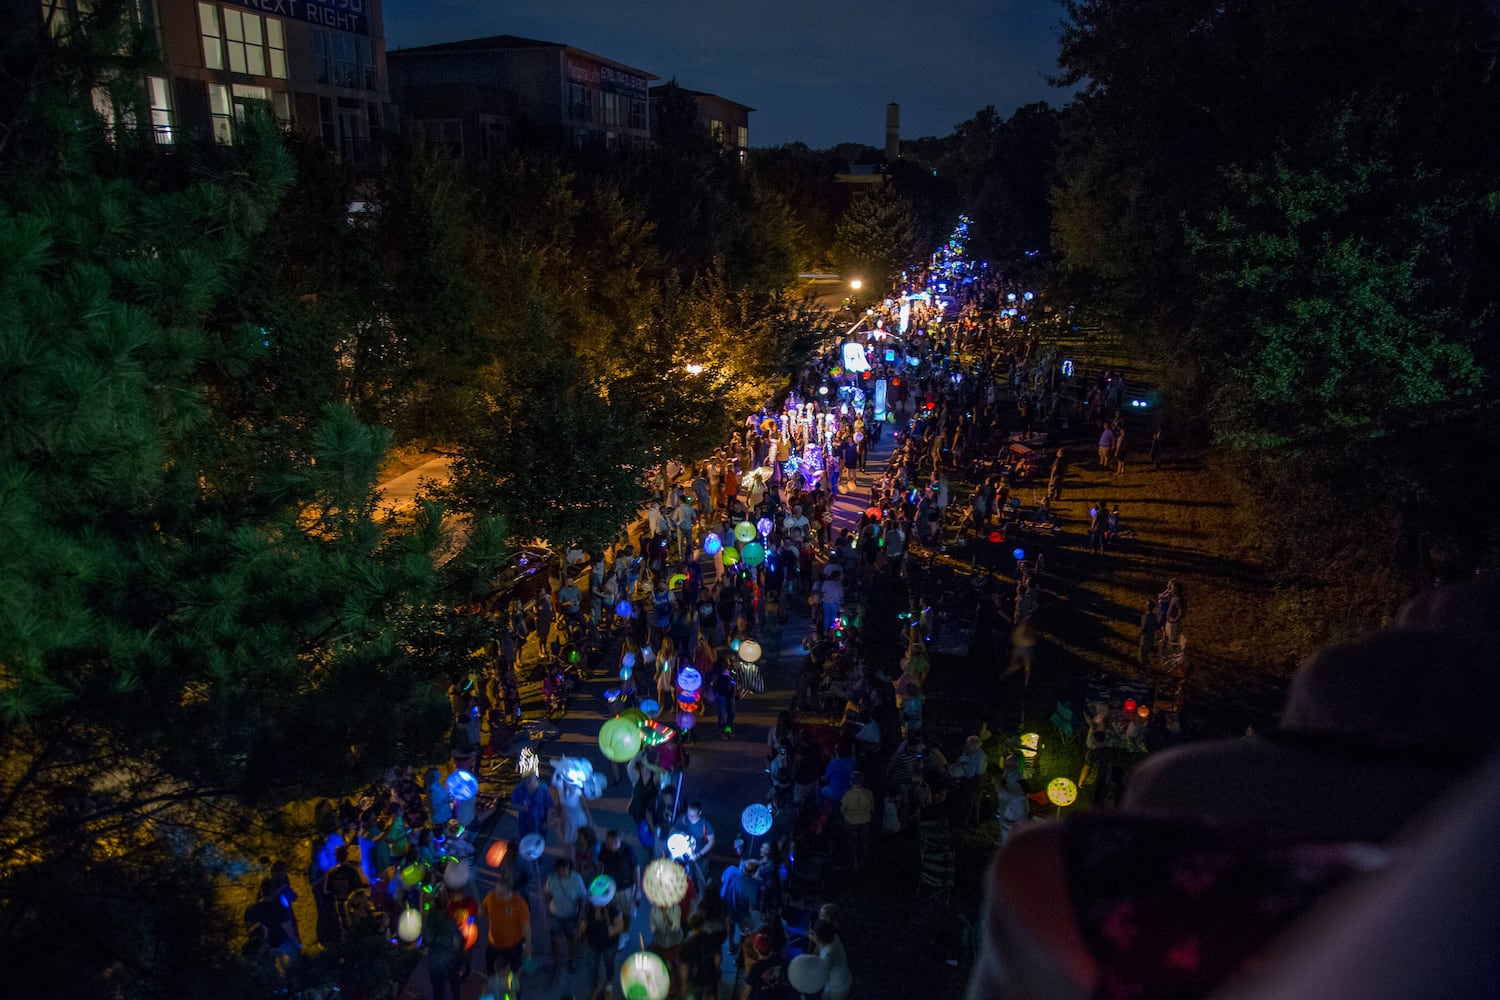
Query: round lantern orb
x=496 y=853
x=533 y=846
x=681 y=846
x=712 y=544
x=620 y=739
x=730 y=555
x=756 y=819
x=807 y=974
x=462 y=786
x=625 y=673
x=764 y=526
x=1062 y=792
x=873 y=512
x=686 y=721
x=601 y=890
x=734 y=645
x=1130 y=704
x=689 y=679
x=644 y=976
x=624 y=609
x=996 y=537
x=753 y=554
x=650 y=706
x=409 y=926
x=456 y=875
x=750 y=651
x=627 y=658
x=1019 y=554
x=413 y=874
x=664 y=882
x=1143 y=711
x=744 y=531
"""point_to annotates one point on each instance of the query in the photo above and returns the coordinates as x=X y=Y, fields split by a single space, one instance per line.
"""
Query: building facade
x=467 y=97
x=727 y=121
x=318 y=66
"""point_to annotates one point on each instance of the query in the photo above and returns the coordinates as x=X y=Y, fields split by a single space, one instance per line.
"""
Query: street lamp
x=695 y=369
x=856 y=284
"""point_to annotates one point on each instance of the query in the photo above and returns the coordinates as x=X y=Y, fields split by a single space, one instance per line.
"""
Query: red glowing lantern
x=470 y=931
x=996 y=537
x=895 y=381
x=1130 y=704
x=931 y=406
x=496 y=853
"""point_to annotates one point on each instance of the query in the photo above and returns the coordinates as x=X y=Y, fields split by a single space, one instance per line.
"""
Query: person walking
x=565 y=894
x=1150 y=628
x=508 y=938
x=601 y=926
x=1106 y=446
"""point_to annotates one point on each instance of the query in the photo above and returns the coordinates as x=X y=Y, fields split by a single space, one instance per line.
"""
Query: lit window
x=213 y=41
x=161 y=108
x=716 y=129
x=742 y=136
x=276 y=48
x=222 y=110
x=246 y=43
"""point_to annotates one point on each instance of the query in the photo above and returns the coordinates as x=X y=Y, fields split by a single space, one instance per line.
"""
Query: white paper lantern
x=456 y=875
x=644 y=976
x=409 y=926
x=750 y=651
x=664 y=882
x=807 y=974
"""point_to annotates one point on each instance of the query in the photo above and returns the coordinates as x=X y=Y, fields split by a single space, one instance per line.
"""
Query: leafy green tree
x=875 y=238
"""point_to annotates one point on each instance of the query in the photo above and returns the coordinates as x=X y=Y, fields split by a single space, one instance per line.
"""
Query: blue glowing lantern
x=650 y=706
x=763 y=526
x=712 y=544
x=624 y=609
x=462 y=786
x=756 y=819
x=1019 y=554
x=626 y=672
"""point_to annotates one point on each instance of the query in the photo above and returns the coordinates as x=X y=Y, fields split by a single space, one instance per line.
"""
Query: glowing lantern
x=712 y=544
x=756 y=819
x=664 y=882
x=533 y=846
x=648 y=655
x=624 y=609
x=1019 y=554
x=807 y=974
x=593 y=788
x=676 y=581
x=574 y=770
x=628 y=659
x=764 y=526
x=625 y=673
x=635 y=715
x=730 y=555
x=754 y=554
x=495 y=856
x=414 y=873
x=996 y=537
x=528 y=762
x=462 y=786
x=1062 y=792
x=689 y=679
x=750 y=651
x=470 y=931
x=620 y=739
x=409 y=926
x=1143 y=711
x=656 y=733
x=873 y=512
x=687 y=701
x=734 y=645
x=456 y=875
x=686 y=720
x=1030 y=743
x=601 y=890
x=681 y=846
x=1130 y=704
x=650 y=706
x=644 y=976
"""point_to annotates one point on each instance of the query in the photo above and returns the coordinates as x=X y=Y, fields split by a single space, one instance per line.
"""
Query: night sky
x=816 y=71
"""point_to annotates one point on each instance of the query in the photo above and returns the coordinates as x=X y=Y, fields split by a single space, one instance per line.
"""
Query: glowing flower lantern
x=456 y=875
x=750 y=651
x=753 y=554
x=620 y=739
x=409 y=926
x=689 y=679
x=730 y=555
x=644 y=976
x=712 y=544
x=807 y=974
x=533 y=846
x=462 y=786
x=756 y=819
x=495 y=856
x=664 y=882
x=1061 y=792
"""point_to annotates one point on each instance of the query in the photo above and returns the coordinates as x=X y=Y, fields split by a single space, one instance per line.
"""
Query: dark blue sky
x=818 y=71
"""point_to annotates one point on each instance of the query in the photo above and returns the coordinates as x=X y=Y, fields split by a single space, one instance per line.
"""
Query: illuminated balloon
x=688 y=701
x=496 y=853
x=712 y=544
x=750 y=651
x=533 y=846
x=620 y=739
x=644 y=976
x=686 y=721
x=756 y=819
x=456 y=875
x=462 y=786
x=730 y=555
x=409 y=925
x=807 y=974
x=664 y=882
x=734 y=645
x=689 y=679
x=764 y=526
x=753 y=554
